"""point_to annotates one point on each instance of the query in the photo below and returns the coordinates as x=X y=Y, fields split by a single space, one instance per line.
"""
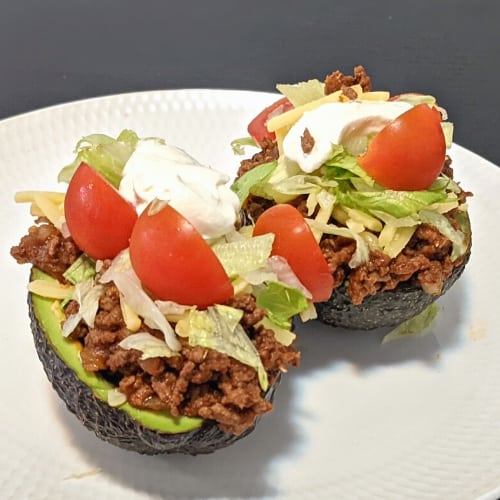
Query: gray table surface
x=55 y=51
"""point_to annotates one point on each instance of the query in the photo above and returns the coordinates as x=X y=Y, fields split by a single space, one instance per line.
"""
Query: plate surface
x=414 y=418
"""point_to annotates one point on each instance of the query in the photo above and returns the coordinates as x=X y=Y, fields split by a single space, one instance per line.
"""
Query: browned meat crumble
x=338 y=81
x=268 y=153
x=307 y=141
x=45 y=247
x=199 y=382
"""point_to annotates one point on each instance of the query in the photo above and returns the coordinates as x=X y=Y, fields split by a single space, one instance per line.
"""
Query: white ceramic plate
x=415 y=418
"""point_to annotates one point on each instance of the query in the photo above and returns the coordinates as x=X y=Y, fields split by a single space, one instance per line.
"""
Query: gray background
x=54 y=51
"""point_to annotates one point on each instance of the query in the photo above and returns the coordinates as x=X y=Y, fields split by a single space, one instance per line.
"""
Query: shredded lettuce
x=245 y=255
x=286 y=182
x=297 y=185
x=283 y=335
x=342 y=166
x=169 y=307
x=265 y=187
x=219 y=328
x=129 y=285
x=255 y=278
x=302 y=92
x=443 y=225
x=238 y=145
x=243 y=186
x=310 y=313
x=395 y=203
x=149 y=345
x=443 y=183
x=416 y=326
x=390 y=220
x=87 y=294
x=281 y=302
x=82 y=269
x=285 y=274
x=103 y=153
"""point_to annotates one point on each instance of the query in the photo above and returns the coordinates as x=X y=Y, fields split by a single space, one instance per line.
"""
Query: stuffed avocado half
x=162 y=326
x=369 y=173
x=86 y=395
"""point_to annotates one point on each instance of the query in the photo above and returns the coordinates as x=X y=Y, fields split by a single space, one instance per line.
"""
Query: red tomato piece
x=257 y=128
x=408 y=154
x=295 y=242
x=99 y=219
x=174 y=262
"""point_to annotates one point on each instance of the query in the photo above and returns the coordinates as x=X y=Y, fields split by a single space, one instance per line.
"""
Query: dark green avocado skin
x=384 y=309
x=115 y=426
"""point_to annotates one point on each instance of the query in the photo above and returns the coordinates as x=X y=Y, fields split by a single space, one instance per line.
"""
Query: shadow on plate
x=249 y=468
x=322 y=345
x=242 y=470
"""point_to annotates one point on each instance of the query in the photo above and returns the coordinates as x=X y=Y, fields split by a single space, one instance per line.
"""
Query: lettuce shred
x=417 y=326
x=244 y=255
x=238 y=145
x=302 y=92
x=243 y=186
x=149 y=345
x=219 y=328
x=87 y=294
x=104 y=154
x=82 y=269
x=282 y=303
x=129 y=285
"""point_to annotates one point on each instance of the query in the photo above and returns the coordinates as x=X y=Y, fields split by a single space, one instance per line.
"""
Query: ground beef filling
x=199 y=382
x=45 y=247
x=424 y=262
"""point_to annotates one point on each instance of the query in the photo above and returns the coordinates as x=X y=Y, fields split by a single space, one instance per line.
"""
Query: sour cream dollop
x=337 y=123
x=200 y=193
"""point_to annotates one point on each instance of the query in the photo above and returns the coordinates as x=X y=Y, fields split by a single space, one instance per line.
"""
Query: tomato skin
x=99 y=219
x=174 y=262
x=408 y=154
x=295 y=242
x=257 y=127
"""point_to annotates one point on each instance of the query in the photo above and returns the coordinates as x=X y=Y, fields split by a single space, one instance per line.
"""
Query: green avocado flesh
x=68 y=352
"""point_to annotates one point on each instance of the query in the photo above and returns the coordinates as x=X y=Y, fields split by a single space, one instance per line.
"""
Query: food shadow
x=322 y=345
x=243 y=470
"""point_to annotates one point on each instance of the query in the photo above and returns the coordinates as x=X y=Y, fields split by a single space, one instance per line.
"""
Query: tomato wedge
x=407 y=154
x=257 y=127
x=99 y=219
x=295 y=242
x=174 y=262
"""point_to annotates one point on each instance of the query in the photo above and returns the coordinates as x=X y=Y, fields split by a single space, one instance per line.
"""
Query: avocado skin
x=115 y=426
x=384 y=309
